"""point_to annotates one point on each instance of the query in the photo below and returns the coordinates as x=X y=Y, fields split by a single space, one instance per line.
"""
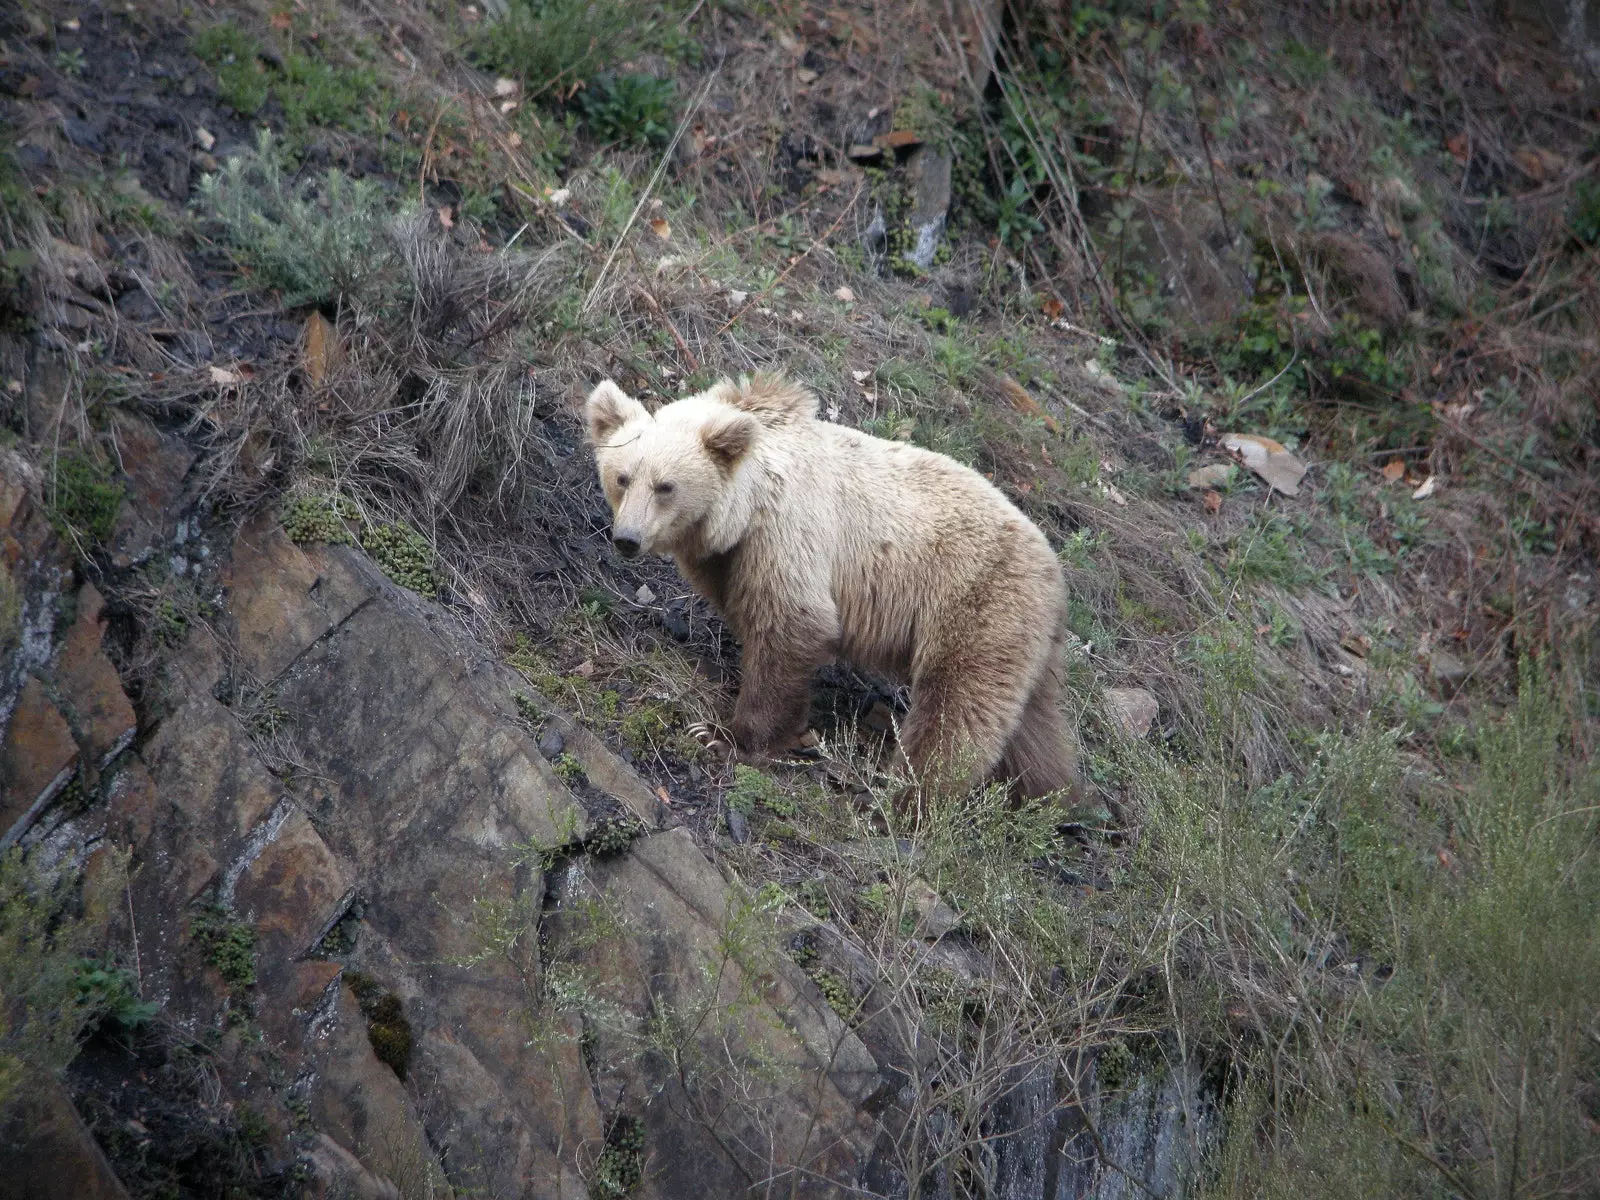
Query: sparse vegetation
x=1345 y=878
x=84 y=498
x=227 y=944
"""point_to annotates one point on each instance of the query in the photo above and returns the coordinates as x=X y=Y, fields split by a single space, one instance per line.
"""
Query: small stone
x=551 y=744
x=1133 y=710
x=738 y=827
x=644 y=595
x=879 y=718
x=935 y=918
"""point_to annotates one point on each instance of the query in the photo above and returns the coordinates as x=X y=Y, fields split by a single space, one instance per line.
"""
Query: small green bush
x=114 y=994
x=82 y=497
x=314 y=93
x=242 y=80
x=751 y=787
x=629 y=108
x=613 y=835
x=226 y=944
x=553 y=44
x=311 y=239
x=621 y=1163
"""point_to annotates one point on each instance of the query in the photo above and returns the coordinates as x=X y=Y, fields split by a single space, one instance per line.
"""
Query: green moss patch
x=388 y=1030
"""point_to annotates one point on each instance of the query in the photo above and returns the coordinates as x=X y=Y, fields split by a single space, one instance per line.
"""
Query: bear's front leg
x=775 y=697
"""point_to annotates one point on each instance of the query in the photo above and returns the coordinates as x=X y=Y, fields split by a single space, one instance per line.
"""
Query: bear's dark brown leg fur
x=1042 y=756
x=775 y=695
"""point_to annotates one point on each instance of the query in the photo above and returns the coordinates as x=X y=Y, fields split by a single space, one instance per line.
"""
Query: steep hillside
x=359 y=831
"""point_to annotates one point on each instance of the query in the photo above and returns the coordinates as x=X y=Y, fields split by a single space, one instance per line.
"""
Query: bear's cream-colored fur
x=816 y=542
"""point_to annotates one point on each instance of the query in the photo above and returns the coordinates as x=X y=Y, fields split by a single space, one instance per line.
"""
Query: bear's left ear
x=608 y=409
x=728 y=437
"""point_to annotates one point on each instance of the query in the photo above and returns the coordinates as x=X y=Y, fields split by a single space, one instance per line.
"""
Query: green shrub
x=752 y=787
x=629 y=108
x=226 y=944
x=310 y=239
x=553 y=44
x=113 y=993
x=46 y=928
x=82 y=497
x=314 y=93
x=620 y=1166
x=242 y=80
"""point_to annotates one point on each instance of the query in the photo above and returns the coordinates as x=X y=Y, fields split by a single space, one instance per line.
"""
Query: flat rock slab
x=770 y=1078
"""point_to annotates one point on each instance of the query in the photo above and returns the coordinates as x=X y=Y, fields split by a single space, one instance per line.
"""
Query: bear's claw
x=711 y=739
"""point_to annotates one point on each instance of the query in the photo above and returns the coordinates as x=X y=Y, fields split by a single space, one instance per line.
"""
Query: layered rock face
x=352 y=880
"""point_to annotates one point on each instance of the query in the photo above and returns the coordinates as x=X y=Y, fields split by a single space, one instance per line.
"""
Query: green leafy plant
x=233 y=53
x=82 y=497
x=113 y=993
x=620 y=1167
x=629 y=108
x=310 y=239
x=226 y=944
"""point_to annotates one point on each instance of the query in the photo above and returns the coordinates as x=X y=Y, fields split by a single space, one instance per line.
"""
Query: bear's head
x=672 y=479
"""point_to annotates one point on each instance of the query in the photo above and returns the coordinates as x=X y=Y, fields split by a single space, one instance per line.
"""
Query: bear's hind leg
x=1042 y=755
x=959 y=726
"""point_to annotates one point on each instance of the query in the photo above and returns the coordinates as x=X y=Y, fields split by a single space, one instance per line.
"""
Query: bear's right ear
x=728 y=437
x=608 y=409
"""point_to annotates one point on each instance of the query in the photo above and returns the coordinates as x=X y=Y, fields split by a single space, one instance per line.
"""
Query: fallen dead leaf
x=1268 y=459
x=445 y=218
x=1394 y=470
x=204 y=138
x=1213 y=476
x=505 y=87
x=584 y=669
x=644 y=595
x=559 y=197
x=507 y=106
x=1022 y=400
x=662 y=228
x=844 y=294
x=1537 y=163
x=898 y=139
x=663 y=795
x=861 y=377
x=223 y=377
x=319 y=347
x=1133 y=710
x=1115 y=496
x=281 y=20
x=1458 y=146
x=790 y=43
x=1212 y=501
x=1053 y=308
x=1429 y=486
x=806 y=75
x=1358 y=644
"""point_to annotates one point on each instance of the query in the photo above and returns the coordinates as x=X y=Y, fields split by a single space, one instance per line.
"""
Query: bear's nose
x=626 y=546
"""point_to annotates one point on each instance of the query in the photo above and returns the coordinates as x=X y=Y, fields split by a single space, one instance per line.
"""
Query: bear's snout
x=626 y=544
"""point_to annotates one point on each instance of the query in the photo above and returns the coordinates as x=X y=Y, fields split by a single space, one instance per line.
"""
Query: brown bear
x=818 y=542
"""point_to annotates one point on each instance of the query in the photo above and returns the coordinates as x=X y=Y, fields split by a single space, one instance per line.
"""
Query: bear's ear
x=608 y=409
x=728 y=437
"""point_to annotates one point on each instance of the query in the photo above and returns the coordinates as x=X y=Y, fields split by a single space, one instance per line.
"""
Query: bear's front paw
x=712 y=739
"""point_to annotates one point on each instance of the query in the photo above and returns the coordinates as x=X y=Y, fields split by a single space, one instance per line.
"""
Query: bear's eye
x=623 y=481
x=663 y=489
